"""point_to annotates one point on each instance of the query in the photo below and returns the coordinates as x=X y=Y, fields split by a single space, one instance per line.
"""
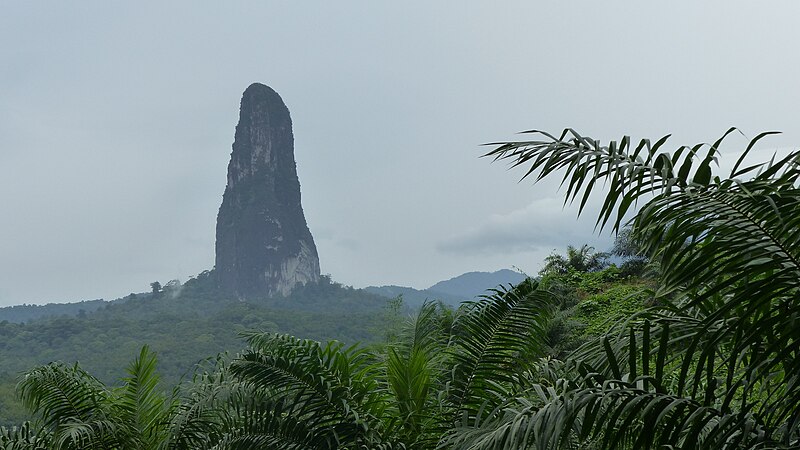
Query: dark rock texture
x=263 y=244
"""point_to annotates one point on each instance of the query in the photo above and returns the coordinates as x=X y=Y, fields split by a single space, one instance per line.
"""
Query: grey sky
x=116 y=123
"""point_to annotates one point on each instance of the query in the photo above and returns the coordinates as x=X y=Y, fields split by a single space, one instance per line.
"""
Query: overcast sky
x=117 y=119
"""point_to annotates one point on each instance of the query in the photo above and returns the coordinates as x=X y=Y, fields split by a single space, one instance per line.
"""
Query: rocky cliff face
x=264 y=246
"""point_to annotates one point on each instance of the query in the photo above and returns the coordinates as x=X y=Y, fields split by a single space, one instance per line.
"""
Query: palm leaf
x=71 y=405
x=24 y=437
x=58 y=392
x=414 y=370
x=141 y=405
x=494 y=342
x=333 y=390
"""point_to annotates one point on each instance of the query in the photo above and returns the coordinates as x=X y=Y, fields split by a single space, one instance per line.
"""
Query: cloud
x=349 y=244
x=542 y=225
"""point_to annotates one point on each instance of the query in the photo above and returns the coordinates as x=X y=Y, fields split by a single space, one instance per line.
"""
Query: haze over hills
x=26 y=313
x=474 y=284
x=467 y=286
x=184 y=324
x=452 y=292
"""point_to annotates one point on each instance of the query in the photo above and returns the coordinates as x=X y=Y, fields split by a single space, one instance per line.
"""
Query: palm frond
x=24 y=437
x=141 y=405
x=616 y=414
x=515 y=422
x=414 y=370
x=632 y=173
x=495 y=341
x=256 y=422
x=332 y=388
x=105 y=433
x=58 y=394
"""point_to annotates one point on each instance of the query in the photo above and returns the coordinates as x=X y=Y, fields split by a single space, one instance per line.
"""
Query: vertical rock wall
x=264 y=246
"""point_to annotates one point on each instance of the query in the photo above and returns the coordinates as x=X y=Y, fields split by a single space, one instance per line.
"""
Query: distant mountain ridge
x=26 y=313
x=413 y=297
x=474 y=284
x=467 y=286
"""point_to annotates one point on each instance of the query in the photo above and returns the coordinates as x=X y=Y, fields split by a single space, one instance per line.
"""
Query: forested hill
x=183 y=324
x=466 y=286
x=26 y=313
x=188 y=324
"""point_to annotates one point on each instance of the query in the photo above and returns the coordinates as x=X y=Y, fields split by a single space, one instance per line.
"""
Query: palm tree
x=77 y=411
x=583 y=259
x=716 y=364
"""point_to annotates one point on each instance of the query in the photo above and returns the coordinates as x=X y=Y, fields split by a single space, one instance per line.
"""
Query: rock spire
x=264 y=246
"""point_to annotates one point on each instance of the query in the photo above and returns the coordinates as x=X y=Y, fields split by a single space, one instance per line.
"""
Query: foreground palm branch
x=302 y=394
x=494 y=344
x=416 y=368
x=76 y=411
x=717 y=363
x=72 y=406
